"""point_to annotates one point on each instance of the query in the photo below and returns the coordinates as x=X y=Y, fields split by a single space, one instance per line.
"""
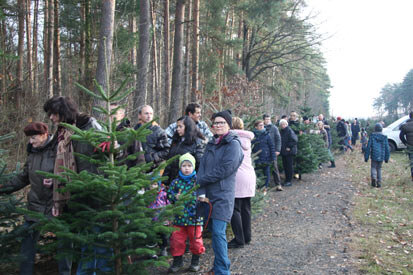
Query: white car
x=393 y=131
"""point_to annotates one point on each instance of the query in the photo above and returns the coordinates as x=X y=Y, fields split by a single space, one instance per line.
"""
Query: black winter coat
x=406 y=132
x=156 y=146
x=275 y=136
x=341 y=129
x=196 y=149
x=264 y=143
x=288 y=140
x=40 y=197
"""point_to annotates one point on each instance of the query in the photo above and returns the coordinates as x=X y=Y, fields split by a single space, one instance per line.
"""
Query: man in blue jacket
x=406 y=136
x=276 y=137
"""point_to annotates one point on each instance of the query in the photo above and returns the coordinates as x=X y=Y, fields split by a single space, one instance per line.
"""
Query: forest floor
x=330 y=222
x=305 y=229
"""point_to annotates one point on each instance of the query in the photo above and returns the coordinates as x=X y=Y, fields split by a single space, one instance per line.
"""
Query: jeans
x=28 y=251
x=376 y=170
x=220 y=247
x=264 y=169
x=288 y=167
x=241 y=220
x=94 y=258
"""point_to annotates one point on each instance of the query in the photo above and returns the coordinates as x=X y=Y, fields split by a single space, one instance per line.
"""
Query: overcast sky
x=371 y=45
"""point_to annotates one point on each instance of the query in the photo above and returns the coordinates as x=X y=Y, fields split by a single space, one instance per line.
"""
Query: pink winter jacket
x=245 y=179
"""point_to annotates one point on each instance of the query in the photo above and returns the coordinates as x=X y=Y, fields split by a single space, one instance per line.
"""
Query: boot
x=176 y=265
x=378 y=185
x=333 y=164
x=373 y=182
x=194 y=267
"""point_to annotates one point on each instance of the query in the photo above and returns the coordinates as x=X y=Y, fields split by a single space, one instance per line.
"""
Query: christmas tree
x=10 y=218
x=109 y=210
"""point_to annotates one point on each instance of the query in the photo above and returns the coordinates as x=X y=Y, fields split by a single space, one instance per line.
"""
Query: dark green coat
x=39 y=198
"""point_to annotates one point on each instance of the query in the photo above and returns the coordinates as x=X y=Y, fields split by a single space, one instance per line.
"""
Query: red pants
x=178 y=240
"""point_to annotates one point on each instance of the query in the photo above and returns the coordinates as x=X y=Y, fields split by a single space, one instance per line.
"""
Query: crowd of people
x=219 y=160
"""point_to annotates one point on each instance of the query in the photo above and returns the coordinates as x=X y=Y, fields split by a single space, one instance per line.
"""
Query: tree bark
x=176 y=90
x=45 y=44
x=166 y=62
x=195 y=51
x=143 y=54
x=88 y=46
x=35 y=44
x=50 y=50
x=57 y=71
x=29 y=46
x=187 y=56
x=155 y=70
x=20 y=53
x=4 y=65
x=105 y=53
x=133 y=28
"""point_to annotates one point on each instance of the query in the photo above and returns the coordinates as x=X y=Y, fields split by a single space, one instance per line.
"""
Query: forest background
x=251 y=56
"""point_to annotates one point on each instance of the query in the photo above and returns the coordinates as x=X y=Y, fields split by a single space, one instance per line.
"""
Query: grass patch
x=384 y=241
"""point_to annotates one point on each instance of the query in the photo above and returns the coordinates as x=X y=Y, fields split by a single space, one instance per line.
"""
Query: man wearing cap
x=406 y=136
x=41 y=157
x=275 y=136
x=216 y=176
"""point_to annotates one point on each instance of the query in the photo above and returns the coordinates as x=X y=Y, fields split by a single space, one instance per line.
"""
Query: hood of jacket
x=245 y=138
x=85 y=122
x=49 y=142
x=227 y=139
x=378 y=136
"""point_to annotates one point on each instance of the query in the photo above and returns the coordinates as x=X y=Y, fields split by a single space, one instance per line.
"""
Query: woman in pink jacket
x=244 y=189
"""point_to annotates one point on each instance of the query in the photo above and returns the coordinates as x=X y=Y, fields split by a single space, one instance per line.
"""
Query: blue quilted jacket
x=377 y=148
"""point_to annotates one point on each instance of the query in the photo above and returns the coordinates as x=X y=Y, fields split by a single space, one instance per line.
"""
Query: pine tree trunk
x=45 y=45
x=50 y=50
x=35 y=44
x=20 y=54
x=105 y=53
x=166 y=62
x=143 y=54
x=3 y=62
x=57 y=71
x=195 y=51
x=88 y=46
x=155 y=71
x=187 y=56
x=133 y=28
x=176 y=90
x=29 y=47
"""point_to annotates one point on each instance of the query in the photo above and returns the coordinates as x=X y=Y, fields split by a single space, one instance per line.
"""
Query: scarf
x=187 y=178
x=220 y=138
x=65 y=159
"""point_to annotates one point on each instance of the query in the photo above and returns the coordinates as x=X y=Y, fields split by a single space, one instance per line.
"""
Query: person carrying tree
x=41 y=157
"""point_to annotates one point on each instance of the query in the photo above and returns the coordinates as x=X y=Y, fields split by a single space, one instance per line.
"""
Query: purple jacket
x=245 y=178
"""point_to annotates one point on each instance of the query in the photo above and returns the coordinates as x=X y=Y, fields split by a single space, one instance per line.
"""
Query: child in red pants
x=188 y=223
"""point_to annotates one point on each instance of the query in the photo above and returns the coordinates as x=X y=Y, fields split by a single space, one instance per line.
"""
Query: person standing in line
x=193 y=110
x=245 y=182
x=263 y=144
x=216 y=176
x=187 y=139
x=288 y=150
x=188 y=223
x=156 y=146
x=276 y=137
x=327 y=128
x=355 y=130
x=323 y=132
x=379 y=151
x=406 y=136
x=41 y=157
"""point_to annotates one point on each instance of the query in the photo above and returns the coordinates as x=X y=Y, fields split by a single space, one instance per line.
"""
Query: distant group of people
x=218 y=159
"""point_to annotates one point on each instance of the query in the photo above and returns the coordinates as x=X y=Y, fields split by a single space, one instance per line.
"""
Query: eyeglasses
x=219 y=123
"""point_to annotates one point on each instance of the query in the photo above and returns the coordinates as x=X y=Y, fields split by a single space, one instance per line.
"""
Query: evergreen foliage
x=10 y=217
x=306 y=159
x=109 y=210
